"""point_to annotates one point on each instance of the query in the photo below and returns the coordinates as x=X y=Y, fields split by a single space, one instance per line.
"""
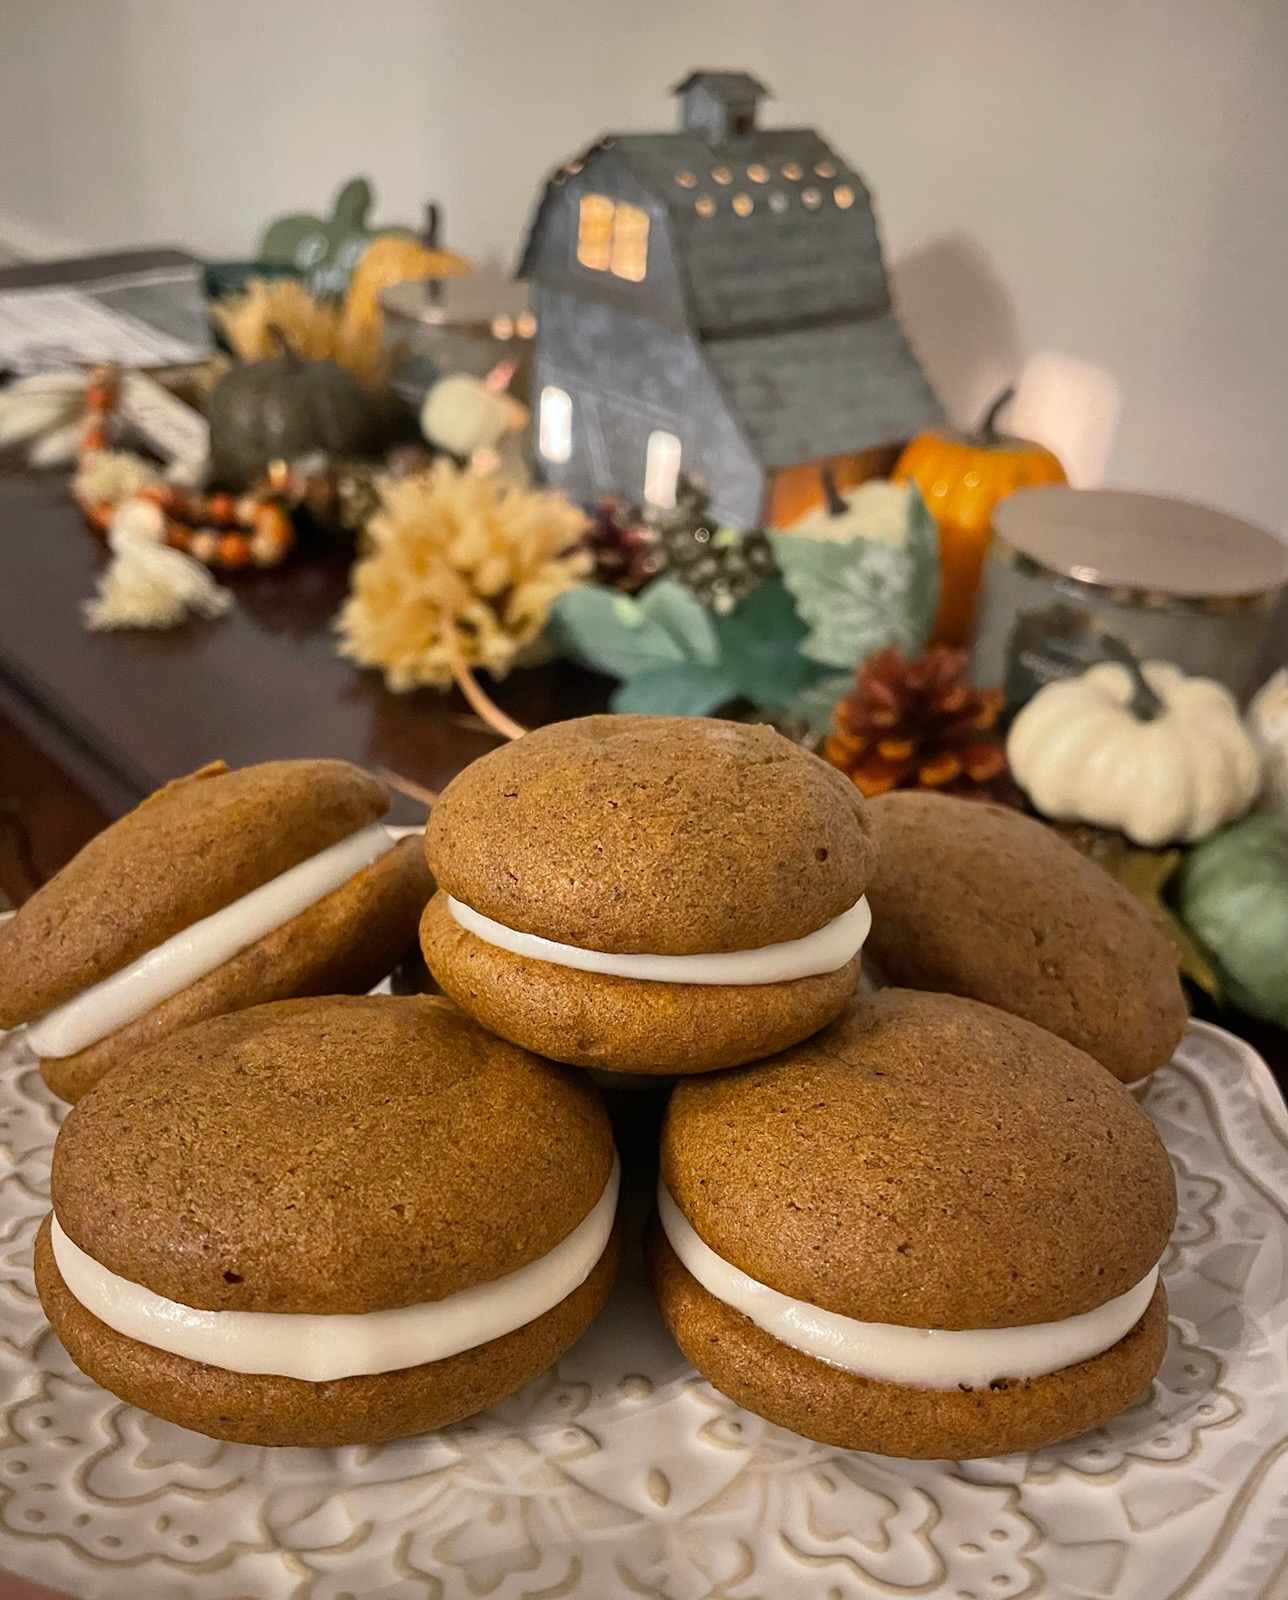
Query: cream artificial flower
x=463 y=569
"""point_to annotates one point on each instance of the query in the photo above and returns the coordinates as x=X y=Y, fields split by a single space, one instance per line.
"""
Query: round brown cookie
x=333 y=1155
x=670 y=835
x=841 y=1408
x=187 y=851
x=339 y=1155
x=927 y=1162
x=977 y=900
x=860 y=1169
x=594 y=1020
x=673 y=836
x=247 y=1408
x=343 y=944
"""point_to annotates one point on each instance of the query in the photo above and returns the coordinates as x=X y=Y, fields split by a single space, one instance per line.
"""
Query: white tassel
x=57 y=447
x=148 y=585
x=46 y=403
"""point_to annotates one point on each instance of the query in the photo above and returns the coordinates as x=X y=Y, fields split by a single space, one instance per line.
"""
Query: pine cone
x=920 y=725
x=626 y=550
x=720 y=566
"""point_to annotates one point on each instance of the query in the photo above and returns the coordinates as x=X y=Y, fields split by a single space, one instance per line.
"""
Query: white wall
x=1104 y=180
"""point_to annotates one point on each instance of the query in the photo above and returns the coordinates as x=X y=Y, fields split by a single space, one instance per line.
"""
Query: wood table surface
x=89 y=723
x=122 y=712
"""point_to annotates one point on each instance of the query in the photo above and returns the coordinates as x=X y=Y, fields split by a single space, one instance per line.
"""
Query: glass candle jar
x=1173 y=580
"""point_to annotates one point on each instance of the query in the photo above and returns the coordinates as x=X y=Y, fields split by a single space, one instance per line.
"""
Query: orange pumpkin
x=962 y=476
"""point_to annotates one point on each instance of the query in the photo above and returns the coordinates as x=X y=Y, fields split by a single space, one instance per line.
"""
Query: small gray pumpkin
x=284 y=408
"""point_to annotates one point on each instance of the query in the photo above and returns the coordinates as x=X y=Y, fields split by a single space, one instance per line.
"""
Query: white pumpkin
x=1138 y=747
x=877 y=509
x=1268 y=727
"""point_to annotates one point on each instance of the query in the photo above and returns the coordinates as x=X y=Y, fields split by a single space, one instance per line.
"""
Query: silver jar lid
x=1146 y=544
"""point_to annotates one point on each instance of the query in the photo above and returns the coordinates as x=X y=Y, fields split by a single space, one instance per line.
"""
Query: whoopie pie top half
x=664 y=835
x=334 y=1155
x=926 y=1161
x=185 y=852
x=976 y=899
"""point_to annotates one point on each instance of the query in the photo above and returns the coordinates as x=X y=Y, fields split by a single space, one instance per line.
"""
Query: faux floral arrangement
x=777 y=619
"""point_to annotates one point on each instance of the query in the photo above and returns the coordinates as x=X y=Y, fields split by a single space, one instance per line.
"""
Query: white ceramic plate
x=622 y=1474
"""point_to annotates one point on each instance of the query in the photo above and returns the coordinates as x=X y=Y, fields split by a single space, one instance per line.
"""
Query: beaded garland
x=219 y=530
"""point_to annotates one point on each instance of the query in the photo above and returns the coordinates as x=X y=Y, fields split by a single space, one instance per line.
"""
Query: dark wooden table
x=119 y=713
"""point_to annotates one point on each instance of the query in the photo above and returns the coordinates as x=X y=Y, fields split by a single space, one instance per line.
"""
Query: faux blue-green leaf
x=691 y=689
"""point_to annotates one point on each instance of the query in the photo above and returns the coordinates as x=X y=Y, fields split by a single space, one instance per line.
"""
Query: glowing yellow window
x=595 y=232
x=630 y=243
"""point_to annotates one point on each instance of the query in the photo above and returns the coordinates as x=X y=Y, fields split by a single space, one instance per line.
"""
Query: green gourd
x=1233 y=896
x=284 y=408
x=326 y=249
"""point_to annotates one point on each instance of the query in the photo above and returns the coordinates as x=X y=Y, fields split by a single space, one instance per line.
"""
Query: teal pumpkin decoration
x=325 y=250
x=282 y=409
x=1233 y=897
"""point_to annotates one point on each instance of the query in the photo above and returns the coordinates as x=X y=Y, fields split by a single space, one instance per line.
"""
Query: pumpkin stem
x=987 y=430
x=835 y=504
x=1145 y=704
x=480 y=702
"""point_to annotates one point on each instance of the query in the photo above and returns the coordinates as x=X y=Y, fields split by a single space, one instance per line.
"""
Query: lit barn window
x=595 y=232
x=687 y=180
x=825 y=169
x=742 y=204
x=661 y=468
x=791 y=170
x=843 y=195
x=757 y=173
x=554 y=432
x=705 y=206
x=630 y=244
x=722 y=175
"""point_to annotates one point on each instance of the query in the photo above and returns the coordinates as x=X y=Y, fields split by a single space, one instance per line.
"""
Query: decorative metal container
x=1176 y=581
x=459 y=325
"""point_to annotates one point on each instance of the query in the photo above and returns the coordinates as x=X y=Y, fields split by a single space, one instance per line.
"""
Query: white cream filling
x=190 y=954
x=926 y=1358
x=318 y=1347
x=827 y=949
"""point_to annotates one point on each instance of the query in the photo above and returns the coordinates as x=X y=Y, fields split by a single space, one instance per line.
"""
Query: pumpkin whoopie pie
x=649 y=894
x=933 y=1231
x=222 y=890
x=328 y=1221
x=975 y=899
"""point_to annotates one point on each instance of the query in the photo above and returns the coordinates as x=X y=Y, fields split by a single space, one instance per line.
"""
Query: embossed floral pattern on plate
x=622 y=1474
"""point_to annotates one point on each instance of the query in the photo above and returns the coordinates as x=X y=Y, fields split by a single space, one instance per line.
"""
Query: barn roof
x=799 y=395
x=770 y=228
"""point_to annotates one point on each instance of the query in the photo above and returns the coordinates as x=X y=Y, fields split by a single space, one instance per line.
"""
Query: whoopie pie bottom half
x=842 y=1408
x=252 y=1408
x=591 y=1019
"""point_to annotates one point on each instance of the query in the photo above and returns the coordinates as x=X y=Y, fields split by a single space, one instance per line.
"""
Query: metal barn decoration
x=714 y=301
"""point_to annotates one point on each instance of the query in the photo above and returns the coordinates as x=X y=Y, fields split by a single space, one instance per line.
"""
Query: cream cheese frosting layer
x=925 y=1358
x=320 y=1348
x=827 y=949
x=190 y=954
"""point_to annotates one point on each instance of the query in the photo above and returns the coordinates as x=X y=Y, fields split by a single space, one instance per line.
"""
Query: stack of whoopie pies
x=925 y=1222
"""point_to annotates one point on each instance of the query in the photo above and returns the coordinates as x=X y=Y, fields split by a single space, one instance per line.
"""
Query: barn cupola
x=719 y=105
